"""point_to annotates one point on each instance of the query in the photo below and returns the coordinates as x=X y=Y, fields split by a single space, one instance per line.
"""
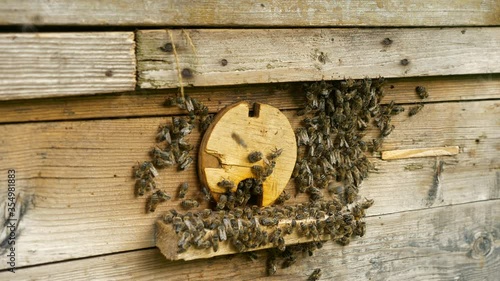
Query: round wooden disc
x=233 y=135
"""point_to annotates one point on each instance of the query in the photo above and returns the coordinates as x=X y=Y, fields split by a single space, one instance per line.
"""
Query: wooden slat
x=250 y=13
x=76 y=176
x=62 y=64
x=434 y=244
x=287 y=55
x=149 y=103
x=419 y=152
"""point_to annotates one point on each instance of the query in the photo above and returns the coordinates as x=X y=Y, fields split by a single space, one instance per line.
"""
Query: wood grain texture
x=289 y=55
x=419 y=152
x=435 y=244
x=76 y=176
x=149 y=103
x=261 y=13
x=62 y=64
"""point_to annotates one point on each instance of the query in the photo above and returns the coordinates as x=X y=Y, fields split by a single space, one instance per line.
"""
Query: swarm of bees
x=175 y=151
x=331 y=143
x=248 y=227
x=332 y=156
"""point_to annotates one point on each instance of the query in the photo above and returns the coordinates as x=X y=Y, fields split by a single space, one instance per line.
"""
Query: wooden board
x=63 y=64
x=76 y=176
x=233 y=135
x=419 y=152
x=288 y=55
x=150 y=103
x=261 y=13
x=441 y=243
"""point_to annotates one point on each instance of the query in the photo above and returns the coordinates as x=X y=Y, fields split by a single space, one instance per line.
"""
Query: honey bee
x=275 y=154
x=238 y=139
x=164 y=135
x=184 y=242
x=254 y=156
x=215 y=242
x=227 y=184
x=257 y=171
x=271 y=265
x=315 y=275
x=184 y=165
x=207 y=196
x=189 y=203
x=422 y=92
x=416 y=109
x=221 y=204
x=183 y=188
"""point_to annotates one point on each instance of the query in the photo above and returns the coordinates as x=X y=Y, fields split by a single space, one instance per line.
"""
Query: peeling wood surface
x=290 y=55
x=458 y=242
x=76 y=176
x=149 y=103
x=250 y=13
x=65 y=64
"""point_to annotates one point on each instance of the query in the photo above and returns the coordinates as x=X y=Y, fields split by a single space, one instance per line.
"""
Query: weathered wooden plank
x=458 y=242
x=210 y=57
x=75 y=176
x=61 y=64
x=149 y=103
x=262 y=13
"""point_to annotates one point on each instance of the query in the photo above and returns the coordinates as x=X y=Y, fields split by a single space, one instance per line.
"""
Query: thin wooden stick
x=420 y=152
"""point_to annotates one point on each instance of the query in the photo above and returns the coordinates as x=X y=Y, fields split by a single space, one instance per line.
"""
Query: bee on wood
x=215 y=242
x=275 y=154
x=227 y=184
x=183 y=188
x=221 y=204
x=289 y=261
x=145 y=170
x=156 y=198
x=367 y=203
x=315 y=275
x=271 y=265
x=164 y=134
x=257 y=171
x=222 y=233
x=422 y=92
x=254 y=156
x=238 y=140
x=284 y=196
x=184 y=243
x=416 y=109
x=186 y=163
x=189 y=203
x=207 y=196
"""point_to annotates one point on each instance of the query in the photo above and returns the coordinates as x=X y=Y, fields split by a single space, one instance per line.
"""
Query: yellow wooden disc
x=233 y=135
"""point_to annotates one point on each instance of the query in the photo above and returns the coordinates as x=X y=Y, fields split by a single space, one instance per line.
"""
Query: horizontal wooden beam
x=210 y=57
x=249 y=13
x=76 y=179
x=284 y=96
x=65 y=64
x=432 y=244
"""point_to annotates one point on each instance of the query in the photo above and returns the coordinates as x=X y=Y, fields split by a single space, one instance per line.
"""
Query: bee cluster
x=331 y=142
x=175 y=150
x=246 y=228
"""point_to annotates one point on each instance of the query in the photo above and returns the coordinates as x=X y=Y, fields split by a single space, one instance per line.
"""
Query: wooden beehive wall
x=81 y=93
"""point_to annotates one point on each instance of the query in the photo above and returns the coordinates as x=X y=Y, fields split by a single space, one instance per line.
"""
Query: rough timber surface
x=76 y=179
x=291 y=55
x=61 y=64
x=458 y=242
x=150 y=103
x=251 y=13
